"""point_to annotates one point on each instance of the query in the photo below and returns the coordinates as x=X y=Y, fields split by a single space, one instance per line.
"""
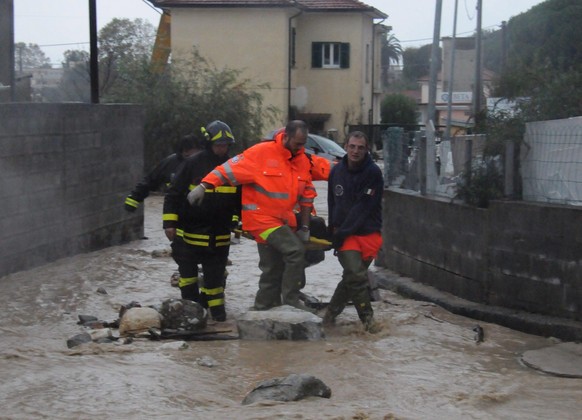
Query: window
x=330 y=55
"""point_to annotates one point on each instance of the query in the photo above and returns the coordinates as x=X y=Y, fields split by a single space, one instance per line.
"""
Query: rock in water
x=280 y=323
x=181 y=314
x=139 y=320
x=78 y=340
x=291 y=388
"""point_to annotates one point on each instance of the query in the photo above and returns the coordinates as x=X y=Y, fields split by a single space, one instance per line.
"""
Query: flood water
x=426 y=363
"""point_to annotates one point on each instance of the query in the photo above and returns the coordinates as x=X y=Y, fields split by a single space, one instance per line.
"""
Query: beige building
x=320 y=58
x=462 y=87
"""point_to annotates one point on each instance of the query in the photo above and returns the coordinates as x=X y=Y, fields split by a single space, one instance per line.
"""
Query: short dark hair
x=187 y=142
x=296 y=125
x=359 y=135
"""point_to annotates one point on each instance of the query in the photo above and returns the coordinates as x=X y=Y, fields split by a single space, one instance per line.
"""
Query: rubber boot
x=190 y=292
x=218 y=313
x=337 y=304
x=355 y=278
x=212 y=292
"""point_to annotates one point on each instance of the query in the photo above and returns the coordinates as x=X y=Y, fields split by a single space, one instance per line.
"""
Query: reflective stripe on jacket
x=209 y=224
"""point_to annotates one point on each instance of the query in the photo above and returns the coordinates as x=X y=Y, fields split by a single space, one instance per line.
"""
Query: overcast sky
x=60 y=25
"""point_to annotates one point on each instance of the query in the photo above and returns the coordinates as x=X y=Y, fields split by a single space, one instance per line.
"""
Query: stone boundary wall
x=518 y=255
x=65 y=170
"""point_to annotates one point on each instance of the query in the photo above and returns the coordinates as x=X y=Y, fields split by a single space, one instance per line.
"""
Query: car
x=318 y=145
x=324 y=147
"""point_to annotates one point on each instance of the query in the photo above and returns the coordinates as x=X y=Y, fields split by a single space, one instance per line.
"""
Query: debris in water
x=479 y=333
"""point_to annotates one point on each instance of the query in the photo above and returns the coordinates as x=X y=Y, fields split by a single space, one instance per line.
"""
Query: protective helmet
x=218 y=132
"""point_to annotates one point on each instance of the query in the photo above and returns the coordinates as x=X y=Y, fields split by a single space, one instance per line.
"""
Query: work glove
x=235 y=224
x=196 y=196
x=303 y=234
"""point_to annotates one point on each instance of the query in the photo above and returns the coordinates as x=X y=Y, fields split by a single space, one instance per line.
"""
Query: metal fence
x=549 y=161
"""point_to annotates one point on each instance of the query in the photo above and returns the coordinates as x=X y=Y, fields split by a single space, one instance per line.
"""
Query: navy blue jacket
x=354 y=198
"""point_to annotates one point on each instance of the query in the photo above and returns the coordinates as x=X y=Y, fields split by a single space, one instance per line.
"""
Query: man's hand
x=170 y=233
x=196 y=196
x=303 y=233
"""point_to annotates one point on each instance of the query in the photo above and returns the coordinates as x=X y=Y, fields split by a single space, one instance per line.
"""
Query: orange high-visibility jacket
x=320 y=168
x=273 y=182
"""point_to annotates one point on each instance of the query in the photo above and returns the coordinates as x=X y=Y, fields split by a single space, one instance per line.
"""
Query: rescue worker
x=204 y=234
x=275 y=176
x=163 y=173
x=320 y=168
x=354 y=198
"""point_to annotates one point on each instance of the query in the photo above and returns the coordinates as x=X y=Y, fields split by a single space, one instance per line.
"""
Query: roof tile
x=314 y=5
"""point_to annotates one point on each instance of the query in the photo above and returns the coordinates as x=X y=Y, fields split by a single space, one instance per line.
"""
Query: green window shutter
x=316 y=55
x=345 y=55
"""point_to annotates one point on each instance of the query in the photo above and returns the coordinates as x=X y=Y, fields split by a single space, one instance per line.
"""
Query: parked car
x=324 y=147
x=320 y=146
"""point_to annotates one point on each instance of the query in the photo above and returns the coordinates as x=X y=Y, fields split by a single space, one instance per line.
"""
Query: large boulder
x=291 y=388
x=139 y=320
x=181 y=314
x=280 y=323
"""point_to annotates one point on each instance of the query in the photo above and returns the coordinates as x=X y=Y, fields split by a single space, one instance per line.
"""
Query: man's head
x=357 y=146
x=295 y=136
x=218 y=136
x=188 y=145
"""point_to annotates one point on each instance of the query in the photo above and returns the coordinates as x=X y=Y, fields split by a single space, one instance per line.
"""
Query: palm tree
x=391 y=52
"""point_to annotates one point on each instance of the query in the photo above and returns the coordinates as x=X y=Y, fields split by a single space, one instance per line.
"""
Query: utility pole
x=94 y=54
x=451 y=75
x=7 y=82
x=431 y=175
x=503 y=44
x=478 y=71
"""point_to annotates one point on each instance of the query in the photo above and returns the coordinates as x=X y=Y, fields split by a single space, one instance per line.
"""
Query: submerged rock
x=79 y=339
x=84 y=319
x=175 y=345
x=291 y=388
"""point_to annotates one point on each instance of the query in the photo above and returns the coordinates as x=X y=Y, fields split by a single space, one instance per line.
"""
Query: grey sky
x=59 y=25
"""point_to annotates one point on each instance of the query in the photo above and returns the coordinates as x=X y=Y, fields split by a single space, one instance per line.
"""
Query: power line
x=62 y=45
x=152 y=7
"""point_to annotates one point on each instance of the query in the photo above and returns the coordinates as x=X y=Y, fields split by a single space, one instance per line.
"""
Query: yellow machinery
x=162 y=45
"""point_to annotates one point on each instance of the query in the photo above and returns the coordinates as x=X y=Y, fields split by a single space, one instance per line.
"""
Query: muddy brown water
x=426 y=363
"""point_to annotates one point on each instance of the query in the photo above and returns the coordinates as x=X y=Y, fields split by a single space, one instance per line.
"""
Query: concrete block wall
x=65 y=170
x=520 y=255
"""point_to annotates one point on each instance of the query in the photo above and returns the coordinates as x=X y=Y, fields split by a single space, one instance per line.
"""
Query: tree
x=544 y=59
x=30 y=56
x=399 y=109
x=76 y=84
x=417 y=62
x=124 y=45
x=190 y=94
x=391 y=52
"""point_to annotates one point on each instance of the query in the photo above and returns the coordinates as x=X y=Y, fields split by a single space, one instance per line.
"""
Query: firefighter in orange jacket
x=275 y=176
